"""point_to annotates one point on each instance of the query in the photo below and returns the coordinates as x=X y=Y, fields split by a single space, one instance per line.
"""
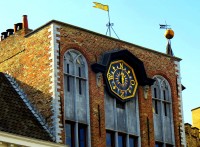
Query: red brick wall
x=92 y=46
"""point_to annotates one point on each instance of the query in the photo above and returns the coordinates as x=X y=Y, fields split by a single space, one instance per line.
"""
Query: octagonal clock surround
x=122 y=80
x=134 y=64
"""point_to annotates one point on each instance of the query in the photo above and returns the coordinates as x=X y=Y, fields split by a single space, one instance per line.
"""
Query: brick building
x=192 y=136
x=192 y=131
x=93 y=90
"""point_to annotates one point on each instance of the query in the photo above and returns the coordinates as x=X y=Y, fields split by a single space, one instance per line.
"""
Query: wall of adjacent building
x=196 y=117
x=192 y=136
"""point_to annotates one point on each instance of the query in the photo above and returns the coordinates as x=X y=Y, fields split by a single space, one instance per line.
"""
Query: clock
x=121 y=79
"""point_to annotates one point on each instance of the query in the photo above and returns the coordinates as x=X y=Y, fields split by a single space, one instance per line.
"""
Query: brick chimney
x=25 y=22
x=15 y=28
x=9 y=32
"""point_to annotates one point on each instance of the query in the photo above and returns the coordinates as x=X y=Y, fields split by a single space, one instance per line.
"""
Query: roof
x=197 y=108
x=16 y=116
x=89 y=31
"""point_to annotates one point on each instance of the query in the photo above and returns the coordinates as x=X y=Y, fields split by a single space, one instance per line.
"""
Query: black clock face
x=121 y=79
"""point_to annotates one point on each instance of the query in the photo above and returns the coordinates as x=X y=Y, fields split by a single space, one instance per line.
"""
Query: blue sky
x=135 y=21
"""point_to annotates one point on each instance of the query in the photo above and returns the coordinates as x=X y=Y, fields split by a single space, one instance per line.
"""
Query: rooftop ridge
x=99 y=34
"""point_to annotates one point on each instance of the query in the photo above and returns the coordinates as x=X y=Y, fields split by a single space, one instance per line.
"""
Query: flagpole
x=109 y=25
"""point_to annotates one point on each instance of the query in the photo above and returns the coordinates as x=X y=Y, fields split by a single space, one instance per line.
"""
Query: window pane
x=156 y=107
x=164 y=94
x=132 y=141
x=165 y=109
x=80 y=87
x=121 y=141
x=69 y=134
x=68 y=83
x=167 y=95
x=67 y=68
x=109 y=139
x=158 y=144
x=82 y=136
x=155 y=93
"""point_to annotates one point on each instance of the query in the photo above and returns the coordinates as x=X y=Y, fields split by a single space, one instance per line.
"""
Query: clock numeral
x=110 y=77
x=132 y=82
x=122 y=93
x=121 y=65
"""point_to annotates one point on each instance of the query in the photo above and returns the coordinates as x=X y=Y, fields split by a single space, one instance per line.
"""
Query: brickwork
x=179 y=94
x=28 y=61
x=55 y=81
x=146 y=118
x=192 y=136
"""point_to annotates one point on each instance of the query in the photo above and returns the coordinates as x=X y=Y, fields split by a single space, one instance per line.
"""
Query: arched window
x=162 y=109
x=77 y=117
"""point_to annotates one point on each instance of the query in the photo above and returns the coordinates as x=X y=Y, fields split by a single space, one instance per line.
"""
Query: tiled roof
x=16 y=116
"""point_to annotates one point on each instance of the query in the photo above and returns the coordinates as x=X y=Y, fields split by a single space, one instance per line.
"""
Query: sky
x=135 y=21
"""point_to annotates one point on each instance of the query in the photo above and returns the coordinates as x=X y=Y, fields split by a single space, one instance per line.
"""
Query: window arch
x=162 y=109
x=76 y=103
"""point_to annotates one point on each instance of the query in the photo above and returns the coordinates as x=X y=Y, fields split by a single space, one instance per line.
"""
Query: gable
x=16 y=116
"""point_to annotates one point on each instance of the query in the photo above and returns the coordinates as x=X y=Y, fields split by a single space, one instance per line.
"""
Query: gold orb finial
x=169 y=33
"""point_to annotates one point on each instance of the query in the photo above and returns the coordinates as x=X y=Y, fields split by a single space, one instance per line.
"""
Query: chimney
x=19 y=26
x=3 y=35
x=25 y=22
x=9 y=32
x=15 y=28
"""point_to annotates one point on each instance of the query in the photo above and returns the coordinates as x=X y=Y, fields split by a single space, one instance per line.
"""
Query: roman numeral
x=110 y=77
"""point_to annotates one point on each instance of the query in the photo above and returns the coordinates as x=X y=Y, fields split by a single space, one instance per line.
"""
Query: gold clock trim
x=133 y=81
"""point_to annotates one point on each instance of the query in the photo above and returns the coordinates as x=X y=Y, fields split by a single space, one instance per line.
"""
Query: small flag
x=101 y=6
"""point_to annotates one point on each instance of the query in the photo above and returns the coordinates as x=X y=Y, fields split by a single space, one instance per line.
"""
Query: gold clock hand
x=122 y=77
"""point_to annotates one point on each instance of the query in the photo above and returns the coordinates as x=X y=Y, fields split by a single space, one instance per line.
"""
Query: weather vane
x=169 y=34
x=164 y=26
x=109 y=24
